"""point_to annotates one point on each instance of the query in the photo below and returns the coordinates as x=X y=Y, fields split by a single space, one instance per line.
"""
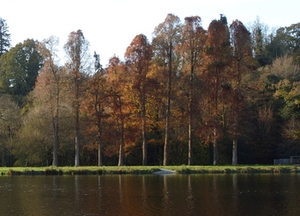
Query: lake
x=206 y=194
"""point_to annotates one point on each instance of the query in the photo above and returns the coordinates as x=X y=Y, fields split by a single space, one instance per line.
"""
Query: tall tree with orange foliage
x=138 y=58
x=94 y=105
x=242 y=62
x=50 y=76
x=217 y=60
x=167 y=35
x=193 y=45
x=77 y=48
x=119 y=103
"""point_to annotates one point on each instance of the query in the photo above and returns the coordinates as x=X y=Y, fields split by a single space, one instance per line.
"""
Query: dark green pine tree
x=4 y=37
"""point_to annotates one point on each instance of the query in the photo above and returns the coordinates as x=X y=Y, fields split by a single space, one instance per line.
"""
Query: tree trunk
x=166 y=145
x=190 y=145
x=98 y=111
x=235 y=129
x=167 y=129
x=55 y=127
x=55 y=143
x=76 y=151
x=190 y=110
x=77 y=126
x=190 y=131
x=99 y=150
x=215 y=146
x=77 y=144
x=3 y=158
x=234 y=151
x=121 y=147
x=144 y=130
x=236 y=113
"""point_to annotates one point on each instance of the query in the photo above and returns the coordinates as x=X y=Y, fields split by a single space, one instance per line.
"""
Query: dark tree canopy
x=19 y=68
x=286 y=41
x=4 y=37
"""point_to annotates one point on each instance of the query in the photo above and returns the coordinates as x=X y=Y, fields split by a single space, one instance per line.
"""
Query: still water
x=224 y=194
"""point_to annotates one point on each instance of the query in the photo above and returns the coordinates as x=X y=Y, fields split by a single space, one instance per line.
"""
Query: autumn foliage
x=189 y=96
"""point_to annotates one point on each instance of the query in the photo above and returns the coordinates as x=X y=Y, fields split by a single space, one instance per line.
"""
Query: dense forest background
x=229 y=94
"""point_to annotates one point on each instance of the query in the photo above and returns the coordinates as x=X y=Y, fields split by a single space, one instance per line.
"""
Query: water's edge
x=95 y=170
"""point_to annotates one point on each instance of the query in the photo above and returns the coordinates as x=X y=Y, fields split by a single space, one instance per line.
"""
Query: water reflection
x=190 y=196
x=166 y=199
x=151 y=195
x=145 y=203
x=235 y=192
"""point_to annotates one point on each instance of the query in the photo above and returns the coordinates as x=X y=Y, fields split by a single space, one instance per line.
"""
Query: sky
x=111 y=25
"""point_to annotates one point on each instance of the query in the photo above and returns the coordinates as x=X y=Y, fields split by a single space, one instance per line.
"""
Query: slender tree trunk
x=77 y=125
x=167 y=129
x=121 y=146
x=99 y=152
x=190 y=151
x=235 y=140
x=236 y=113
x=190 y=110
x=235 y=128
x=215 y=130
x=215 y=147
x=143 y=112
x=56 y=129
x=55 y=143
x=99 y=143
x=190 y=134
x=76 y=141
x=97 y=107
x=234 y=151
x=3 y=158
x=168 y=112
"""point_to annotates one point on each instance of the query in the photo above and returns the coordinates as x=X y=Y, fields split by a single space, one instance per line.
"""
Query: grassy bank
x=94 y=170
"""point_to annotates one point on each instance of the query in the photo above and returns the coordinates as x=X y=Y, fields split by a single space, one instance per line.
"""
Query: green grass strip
x=108 y=170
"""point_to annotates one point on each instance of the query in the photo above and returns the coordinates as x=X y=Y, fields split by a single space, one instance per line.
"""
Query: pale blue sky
x=110 y=25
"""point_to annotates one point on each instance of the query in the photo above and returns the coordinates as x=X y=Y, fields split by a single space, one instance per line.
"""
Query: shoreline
x=112 y=170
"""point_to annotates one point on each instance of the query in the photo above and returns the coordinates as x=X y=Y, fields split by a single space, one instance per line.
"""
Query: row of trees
x=228 y=94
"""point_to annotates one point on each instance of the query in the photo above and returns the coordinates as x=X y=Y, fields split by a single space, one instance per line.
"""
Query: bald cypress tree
x=167 y=36
x=77 y=50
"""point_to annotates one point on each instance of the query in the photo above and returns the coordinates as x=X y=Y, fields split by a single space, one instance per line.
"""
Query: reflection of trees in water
x=54 y=187
x=223 y=196
x=226 y=194
x=130 y=195
x=235 y=192
x=121 y=190
x=178 y=195
x=166 y=198
x=110 y=198
x=77 y=189
x=190 y=196
x=144 y=194
x=215 y=190
x=99 y=186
